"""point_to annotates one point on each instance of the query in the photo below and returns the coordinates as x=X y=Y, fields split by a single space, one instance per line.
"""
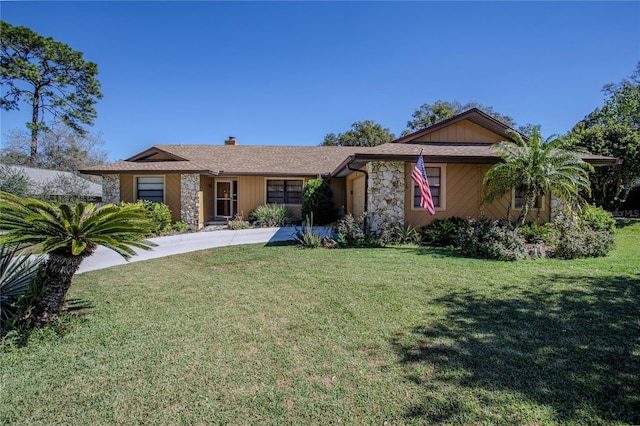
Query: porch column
x=190 y=200
x=110 y=189
x=385 y=195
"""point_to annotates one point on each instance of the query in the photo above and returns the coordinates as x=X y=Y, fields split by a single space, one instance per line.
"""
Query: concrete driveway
x=183 y=243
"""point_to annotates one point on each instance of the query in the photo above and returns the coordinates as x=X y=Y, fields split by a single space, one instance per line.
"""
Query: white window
x=150 y=188
x=435 y=175
x=283 y=191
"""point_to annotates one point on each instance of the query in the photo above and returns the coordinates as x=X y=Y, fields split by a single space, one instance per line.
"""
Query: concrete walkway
x=184 y=243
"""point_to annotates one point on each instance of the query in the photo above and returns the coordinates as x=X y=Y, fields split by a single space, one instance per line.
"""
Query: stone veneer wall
x=110 y=189
x=190 y=200
x=385 y=195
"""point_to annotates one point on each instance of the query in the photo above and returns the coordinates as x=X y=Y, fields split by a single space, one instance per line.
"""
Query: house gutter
x=366 y=192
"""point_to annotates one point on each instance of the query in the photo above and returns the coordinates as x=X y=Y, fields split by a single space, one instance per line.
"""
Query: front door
x=226 y=198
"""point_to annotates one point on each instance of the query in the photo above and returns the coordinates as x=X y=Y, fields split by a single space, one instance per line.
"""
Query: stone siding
x=385 y=195
x=110 y=189
x=190 y=200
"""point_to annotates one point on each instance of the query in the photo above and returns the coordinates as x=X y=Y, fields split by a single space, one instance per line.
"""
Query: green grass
x=283 y=335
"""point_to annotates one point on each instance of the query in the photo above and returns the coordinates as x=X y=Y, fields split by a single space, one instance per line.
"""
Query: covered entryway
x=226 y=199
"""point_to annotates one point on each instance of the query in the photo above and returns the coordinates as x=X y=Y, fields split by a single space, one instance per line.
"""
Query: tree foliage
x=60 y=147
x=430 y=114
x=317 y=202
x=613 y=130
x=14 y=181
x=68 y=234
x=362 y=133
x=536 y=167
x=48 y=76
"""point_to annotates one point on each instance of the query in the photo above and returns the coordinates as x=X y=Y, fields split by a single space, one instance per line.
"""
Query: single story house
x=203 y=183
x=57 y=183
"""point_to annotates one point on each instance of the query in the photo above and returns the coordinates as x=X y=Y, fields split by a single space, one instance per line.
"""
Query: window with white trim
x=284 y=191
x=434 y=175
x=150 y=188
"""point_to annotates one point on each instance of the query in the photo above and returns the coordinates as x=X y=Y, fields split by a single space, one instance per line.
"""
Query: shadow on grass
x=78 y=307
x=73 y=315
x=623 y=223
x=575 y=353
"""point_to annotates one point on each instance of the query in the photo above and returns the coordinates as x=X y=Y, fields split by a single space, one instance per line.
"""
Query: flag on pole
x=419 y=176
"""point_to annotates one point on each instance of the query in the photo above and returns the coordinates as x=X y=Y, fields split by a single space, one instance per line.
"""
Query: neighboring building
x=203 y=183
x=58 y=184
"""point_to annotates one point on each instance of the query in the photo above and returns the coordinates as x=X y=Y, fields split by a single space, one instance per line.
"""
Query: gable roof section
x=473 y=115
x=155 y=154
x=232 y=160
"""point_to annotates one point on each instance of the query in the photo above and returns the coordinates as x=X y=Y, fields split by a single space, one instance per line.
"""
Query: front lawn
x=283 y=335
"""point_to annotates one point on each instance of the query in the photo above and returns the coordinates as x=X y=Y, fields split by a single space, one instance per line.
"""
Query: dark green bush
x=534 y=233
x=400 y=234
x=159 y=213
x=270 y=215
x=442 y=232
x=597 y=219
x=317 y=200
x=179 y=227
x=491 y=240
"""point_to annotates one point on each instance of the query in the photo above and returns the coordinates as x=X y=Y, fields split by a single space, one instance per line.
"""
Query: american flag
x=419 y=176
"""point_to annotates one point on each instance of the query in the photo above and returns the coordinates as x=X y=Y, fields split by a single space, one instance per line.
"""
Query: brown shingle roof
x=233 y=160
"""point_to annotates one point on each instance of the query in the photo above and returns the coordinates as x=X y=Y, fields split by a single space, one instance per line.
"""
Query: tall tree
x=60 y=148
x=50 y=77
x=429 y=114
x=68 y=234
x=535 y=168
x=613 y=130
x=362 y=133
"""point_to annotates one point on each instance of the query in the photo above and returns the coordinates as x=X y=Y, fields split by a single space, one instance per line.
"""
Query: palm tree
x=68 y=234
x=535 y=168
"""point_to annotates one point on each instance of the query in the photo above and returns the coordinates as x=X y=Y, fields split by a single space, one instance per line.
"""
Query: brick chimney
x=231 y=141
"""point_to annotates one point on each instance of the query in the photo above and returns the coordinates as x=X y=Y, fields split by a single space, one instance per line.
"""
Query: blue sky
x=287 y=73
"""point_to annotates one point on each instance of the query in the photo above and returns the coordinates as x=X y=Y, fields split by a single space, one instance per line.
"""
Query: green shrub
x=534 y=233
x=442 y=232
x=590 y=234
x=15 y=182
x=159 y=213
x=270 y=215
x=179 y=227
x=306 y=236
x=238 y=223
x=18 y=287
x=400 y=234
x=491 y=240
x=317 y=200
x=597 y=219
x=577 y=242
x=350 y=231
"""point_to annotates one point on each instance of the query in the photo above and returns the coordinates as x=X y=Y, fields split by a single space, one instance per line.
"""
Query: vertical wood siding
x=355 y=193
x=463 y=131
x=338 y=188
x=207 y=203
x=126 y=188
x=251 y=194
x=172 y=195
